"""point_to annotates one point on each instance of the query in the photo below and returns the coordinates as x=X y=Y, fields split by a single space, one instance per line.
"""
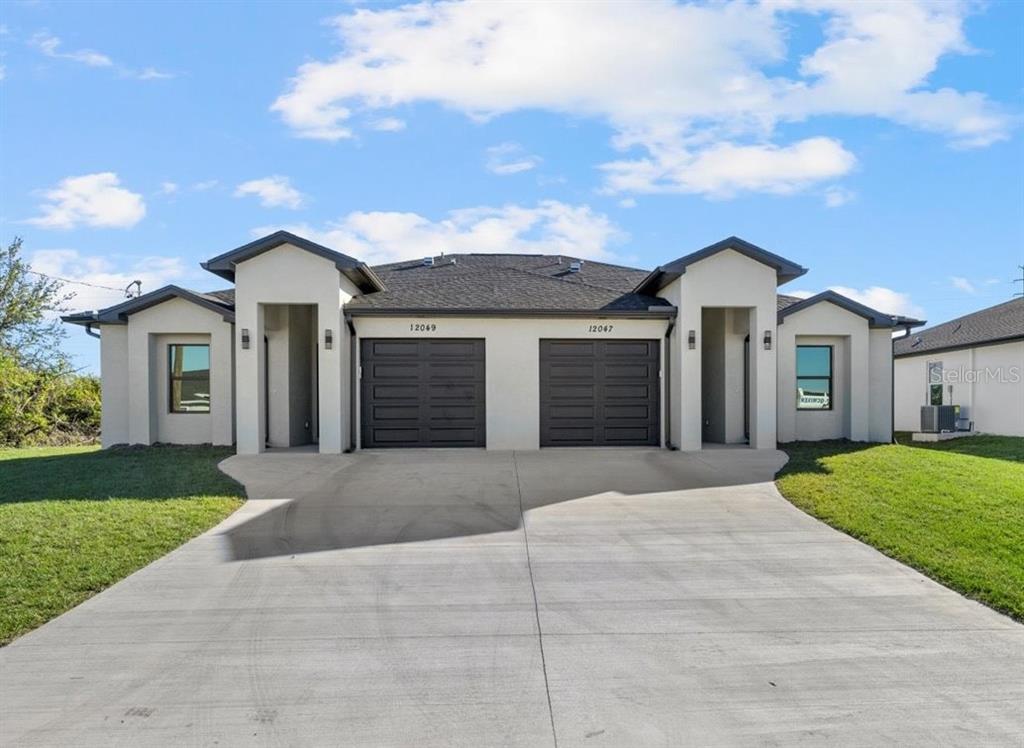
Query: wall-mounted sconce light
x=767 y=340
x=691 y=339
x=245 y=338
x=328 y=339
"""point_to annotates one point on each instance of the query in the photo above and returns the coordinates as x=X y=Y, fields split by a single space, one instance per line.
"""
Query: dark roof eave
x=875 y=318
x=119 y=313
x=666 y=312
x=361 y=274
x=662 y=275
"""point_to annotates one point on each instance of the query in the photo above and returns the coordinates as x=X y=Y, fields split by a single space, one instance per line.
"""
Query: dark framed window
x=935 y=383
x=189 y=371
x=814 y=377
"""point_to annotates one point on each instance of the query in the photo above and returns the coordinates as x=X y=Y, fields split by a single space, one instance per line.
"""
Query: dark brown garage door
x=599 y=393
x=422 y=393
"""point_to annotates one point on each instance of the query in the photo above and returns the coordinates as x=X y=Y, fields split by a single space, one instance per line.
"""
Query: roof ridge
x=572 y=283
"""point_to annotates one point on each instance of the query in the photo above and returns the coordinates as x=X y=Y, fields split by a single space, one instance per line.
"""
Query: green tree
x=30 y=330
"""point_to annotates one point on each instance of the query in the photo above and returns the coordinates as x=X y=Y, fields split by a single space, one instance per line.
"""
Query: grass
x=953 y=510
x=74 y=520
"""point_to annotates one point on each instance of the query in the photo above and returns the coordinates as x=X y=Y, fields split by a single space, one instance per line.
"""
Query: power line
x=85 y=283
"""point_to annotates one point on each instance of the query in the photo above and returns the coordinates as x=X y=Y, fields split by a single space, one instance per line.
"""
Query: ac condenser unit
x=938 y=418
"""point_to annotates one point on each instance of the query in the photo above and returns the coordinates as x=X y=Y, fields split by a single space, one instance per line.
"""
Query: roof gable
x=119 y=313
x=358 y=272
x=874 y=317
x=662 y=275
x=999 y=323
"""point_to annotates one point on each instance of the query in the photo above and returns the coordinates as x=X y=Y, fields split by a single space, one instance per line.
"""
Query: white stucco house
x=975 y=362
x=311 y=346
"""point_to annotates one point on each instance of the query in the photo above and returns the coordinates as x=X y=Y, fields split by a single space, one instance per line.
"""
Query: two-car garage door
x=430 y=393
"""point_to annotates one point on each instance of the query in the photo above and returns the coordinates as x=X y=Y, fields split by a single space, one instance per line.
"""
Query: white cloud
x=877 y=297
x=95 y=200
x=387 y=124
x=387 y=236
x=152 y=74
x=168 y=188
x=627 y=202
x=274 y=192
x=208 y=184
x=836 y=196
x=962 y=284
x=510 y=158
x=113 y=272
x=50 y=45
x=693 y=88
x=723 y=170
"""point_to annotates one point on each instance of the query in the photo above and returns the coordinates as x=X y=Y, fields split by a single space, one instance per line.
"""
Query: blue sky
x=878 y=144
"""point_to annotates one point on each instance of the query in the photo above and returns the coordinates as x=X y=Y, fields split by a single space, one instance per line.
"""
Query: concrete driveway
x=576 y=597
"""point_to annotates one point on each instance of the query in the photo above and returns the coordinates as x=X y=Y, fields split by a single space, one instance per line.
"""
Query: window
x=814 y=377
x=189 y=378
x=935 y=383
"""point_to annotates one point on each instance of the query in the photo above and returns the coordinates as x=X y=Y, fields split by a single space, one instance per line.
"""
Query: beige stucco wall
x=114 y=384
x=726 y=279
x=134 y=369
x=288 y=275
x=987 y=382
x=512 y=361
x=861 y=371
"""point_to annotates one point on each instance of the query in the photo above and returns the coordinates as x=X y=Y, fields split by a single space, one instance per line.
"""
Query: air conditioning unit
x=938 y=418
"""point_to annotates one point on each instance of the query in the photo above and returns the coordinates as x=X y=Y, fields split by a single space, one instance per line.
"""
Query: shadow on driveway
x=308 y=503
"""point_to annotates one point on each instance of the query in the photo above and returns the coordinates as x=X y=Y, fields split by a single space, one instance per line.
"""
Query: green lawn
x=953 y=510
x=74 y=520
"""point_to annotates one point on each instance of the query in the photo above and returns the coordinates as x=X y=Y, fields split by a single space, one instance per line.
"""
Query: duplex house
x=503 y=351
x=975 y=361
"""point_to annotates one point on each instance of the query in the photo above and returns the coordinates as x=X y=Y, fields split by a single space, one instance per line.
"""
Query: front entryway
x=599 y=393
x=422 y=393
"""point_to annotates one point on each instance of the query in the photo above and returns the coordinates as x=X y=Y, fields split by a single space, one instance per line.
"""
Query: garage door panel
x=638 y=412
x=629 y=349
x=391 y=348
x=423 y=393
x=379 y=392
x=630 y=372
x=596 y=393
x=630 y=392
x=469 y=349
x=393 y=412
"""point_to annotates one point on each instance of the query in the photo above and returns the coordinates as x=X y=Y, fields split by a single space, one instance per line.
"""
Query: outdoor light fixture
x=245 y=338
x=767 y=340
x=328 y=339
x=691 y=340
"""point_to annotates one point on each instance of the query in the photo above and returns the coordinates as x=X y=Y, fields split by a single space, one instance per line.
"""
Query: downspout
x=892 y=389
x=352 y=384
x=668 y=384
x=90 y=331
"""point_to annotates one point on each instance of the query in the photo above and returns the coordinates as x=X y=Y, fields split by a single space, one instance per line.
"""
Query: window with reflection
x=814 y=377
x=189 y=378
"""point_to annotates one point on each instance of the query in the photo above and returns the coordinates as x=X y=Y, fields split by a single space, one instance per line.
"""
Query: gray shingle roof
x=782 y=301
x=472 y=282
x=1000 y=322
x=507 y=283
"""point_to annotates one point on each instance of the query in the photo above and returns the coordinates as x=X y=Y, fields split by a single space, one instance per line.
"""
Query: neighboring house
x=501 y=351
x=976 y=362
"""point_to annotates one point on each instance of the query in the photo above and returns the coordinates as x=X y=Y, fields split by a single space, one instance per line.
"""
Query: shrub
x=46 y=406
